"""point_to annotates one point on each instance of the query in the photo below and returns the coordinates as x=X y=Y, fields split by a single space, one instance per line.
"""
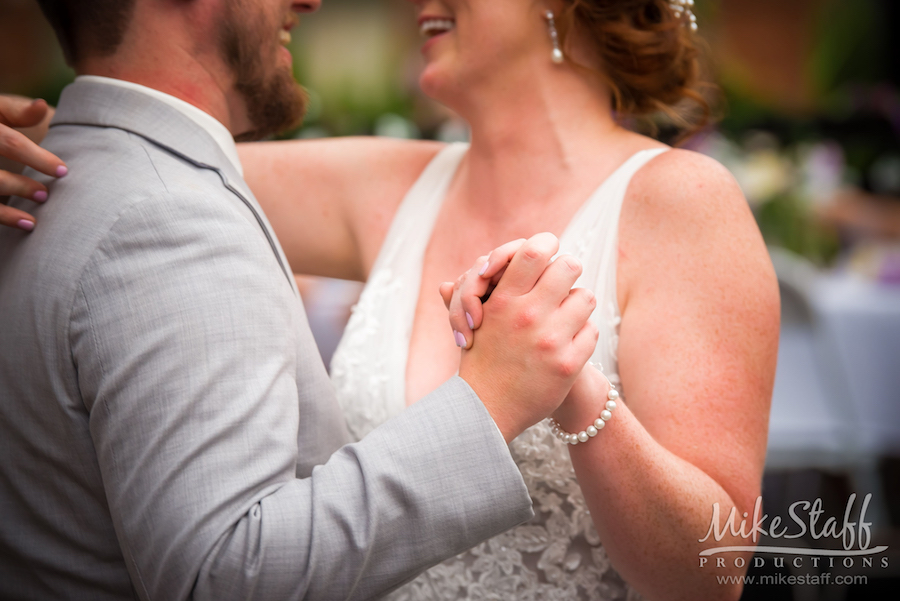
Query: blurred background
x=809 y=103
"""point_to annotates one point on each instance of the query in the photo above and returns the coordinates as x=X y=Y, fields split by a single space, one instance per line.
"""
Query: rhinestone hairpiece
x=684 y=9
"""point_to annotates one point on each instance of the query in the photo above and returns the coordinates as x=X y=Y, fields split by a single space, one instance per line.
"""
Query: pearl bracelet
x=592 y=430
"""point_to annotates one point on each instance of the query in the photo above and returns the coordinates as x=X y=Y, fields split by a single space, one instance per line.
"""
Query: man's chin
x=274 y=108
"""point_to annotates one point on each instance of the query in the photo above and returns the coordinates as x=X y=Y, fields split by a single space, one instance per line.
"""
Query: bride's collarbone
x=487 y=228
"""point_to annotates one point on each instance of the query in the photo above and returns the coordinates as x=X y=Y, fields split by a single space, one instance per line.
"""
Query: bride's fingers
x=17 y=111
x=474 y=298
x=15 y=146
x=461 y=321
x=13 y=184
x=473 y=292
x=15 y=218
x=465 y=303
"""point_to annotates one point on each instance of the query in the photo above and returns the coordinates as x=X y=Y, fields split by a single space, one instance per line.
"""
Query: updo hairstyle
x=649 y=55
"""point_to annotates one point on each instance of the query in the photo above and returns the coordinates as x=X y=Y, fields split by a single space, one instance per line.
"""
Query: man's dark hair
x=88 y=27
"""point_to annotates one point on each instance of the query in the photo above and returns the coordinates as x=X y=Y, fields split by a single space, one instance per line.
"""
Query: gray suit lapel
x=98 y=105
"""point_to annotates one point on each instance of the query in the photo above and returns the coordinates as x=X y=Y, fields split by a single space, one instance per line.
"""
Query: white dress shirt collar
x=209 y=123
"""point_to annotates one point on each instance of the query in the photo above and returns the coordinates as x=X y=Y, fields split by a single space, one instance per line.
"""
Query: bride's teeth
x=285 y=37
x=433 y=27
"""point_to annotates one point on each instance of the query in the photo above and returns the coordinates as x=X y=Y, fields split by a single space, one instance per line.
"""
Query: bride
x=687 y=299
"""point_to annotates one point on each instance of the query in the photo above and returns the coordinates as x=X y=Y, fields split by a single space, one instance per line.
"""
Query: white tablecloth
x=837 y=389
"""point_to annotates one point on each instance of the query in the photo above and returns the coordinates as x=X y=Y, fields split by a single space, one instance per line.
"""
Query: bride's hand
x=18 y=150
x=464 y=297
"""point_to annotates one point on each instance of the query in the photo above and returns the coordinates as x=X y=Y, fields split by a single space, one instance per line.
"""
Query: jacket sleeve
x=185 y=338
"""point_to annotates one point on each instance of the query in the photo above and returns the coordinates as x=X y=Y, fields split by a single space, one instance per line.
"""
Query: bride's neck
x=531 y=139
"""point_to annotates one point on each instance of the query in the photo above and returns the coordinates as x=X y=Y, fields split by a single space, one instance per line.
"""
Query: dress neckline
x=439 y=175
x=608 y=182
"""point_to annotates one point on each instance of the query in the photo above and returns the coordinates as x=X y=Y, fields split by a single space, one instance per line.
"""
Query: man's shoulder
x=114 y=173
x=125 y=194
x=106 y=162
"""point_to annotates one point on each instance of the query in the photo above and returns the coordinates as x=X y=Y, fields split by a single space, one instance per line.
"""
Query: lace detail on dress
x=557 y=555
x=356 y=372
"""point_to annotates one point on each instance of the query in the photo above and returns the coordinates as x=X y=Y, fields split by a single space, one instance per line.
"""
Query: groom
x=162 y=404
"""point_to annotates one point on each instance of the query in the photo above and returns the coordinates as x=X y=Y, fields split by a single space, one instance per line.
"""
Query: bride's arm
x=697 y=351
x=331 y=201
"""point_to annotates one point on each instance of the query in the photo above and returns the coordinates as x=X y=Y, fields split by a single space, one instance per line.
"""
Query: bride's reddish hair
x=649 y=55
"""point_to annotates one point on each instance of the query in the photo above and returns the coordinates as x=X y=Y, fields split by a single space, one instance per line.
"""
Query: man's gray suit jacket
x=163 y=404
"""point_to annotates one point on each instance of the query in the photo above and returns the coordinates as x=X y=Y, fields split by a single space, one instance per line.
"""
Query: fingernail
x=470 y=321
x=24 y=224
x=460 y=340
x=40 y=196
x=484 y=268
x=61 y=171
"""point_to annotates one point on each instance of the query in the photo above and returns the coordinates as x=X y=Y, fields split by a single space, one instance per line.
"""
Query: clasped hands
x=534 y=335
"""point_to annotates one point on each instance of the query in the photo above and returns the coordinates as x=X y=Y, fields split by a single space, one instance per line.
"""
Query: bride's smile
x=474 y=48
x=431 y=27
x=434 y=29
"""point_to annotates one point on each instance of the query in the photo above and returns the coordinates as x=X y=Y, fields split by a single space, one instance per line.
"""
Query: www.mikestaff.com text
x=794 y=579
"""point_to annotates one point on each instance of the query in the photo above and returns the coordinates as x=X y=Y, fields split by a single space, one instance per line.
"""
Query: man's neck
x=172 y=53
x=201 y=91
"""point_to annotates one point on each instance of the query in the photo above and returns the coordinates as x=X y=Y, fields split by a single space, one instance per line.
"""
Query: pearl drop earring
x=683 y=9
x=557 y=55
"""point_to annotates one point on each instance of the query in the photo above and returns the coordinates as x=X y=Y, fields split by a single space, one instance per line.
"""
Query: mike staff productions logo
x=804 y=521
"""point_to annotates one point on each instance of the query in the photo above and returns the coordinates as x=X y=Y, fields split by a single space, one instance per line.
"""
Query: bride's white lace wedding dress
x=557 y=555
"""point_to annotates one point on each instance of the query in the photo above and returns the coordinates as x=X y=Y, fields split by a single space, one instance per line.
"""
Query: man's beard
x=274 y=101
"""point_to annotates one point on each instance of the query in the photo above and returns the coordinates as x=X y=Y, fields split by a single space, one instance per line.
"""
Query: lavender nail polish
x=484 y=268
x=61 y=171
x=460 y=340
x=24 y=224
x=470 y=321
x=40 y=196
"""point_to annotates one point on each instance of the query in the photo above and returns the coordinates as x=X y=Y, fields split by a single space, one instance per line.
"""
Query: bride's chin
x=433 y=82
x=442 y=82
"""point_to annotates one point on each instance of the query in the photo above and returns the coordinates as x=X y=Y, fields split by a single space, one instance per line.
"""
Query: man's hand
x=534 y=336
x=20 y=149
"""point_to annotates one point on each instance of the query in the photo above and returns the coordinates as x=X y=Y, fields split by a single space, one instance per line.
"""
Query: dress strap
x=593 y=237
x=604 y=205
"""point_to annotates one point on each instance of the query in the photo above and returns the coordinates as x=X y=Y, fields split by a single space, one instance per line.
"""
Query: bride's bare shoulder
x=684 y=180
x=688 y=241
x=685 y=210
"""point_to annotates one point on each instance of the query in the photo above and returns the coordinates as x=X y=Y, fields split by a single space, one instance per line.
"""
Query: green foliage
x=850 y=43
x=786 y=221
